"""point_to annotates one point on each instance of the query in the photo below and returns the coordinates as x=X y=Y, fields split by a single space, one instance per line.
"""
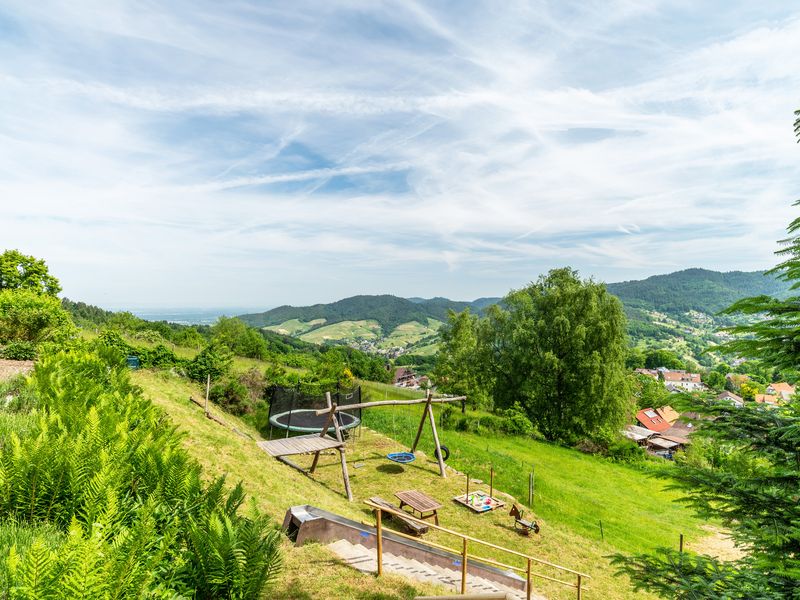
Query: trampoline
x=304 y=420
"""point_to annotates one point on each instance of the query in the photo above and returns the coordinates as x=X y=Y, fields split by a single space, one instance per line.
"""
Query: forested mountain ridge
x=696 y=289
x=389 y=311
x=678 y=309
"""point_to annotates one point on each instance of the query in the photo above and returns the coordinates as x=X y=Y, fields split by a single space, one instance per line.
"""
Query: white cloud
x=264 y=154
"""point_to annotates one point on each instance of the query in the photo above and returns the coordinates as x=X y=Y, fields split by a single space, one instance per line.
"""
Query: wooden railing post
x=379 y=531
x=528 y=579
x=579 y=587
x=464 y=568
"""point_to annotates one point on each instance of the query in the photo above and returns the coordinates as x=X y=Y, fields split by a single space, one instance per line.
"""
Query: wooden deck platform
x=301 y=444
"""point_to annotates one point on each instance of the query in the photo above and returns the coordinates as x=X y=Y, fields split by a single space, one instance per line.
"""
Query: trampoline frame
x=273 y=421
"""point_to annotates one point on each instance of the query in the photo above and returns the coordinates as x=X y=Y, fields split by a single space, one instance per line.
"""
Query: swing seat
x=401 y=457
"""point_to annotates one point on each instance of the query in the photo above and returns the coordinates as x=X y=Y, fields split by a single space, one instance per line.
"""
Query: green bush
x=625 y=450
x=214 y=360
x=19 y=350
x=102 y=465
x=232 y=396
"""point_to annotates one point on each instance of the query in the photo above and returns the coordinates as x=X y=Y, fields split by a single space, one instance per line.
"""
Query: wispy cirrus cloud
x=262 y=153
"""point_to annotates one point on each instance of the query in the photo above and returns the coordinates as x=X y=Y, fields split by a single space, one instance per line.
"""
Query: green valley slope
x=679 y=309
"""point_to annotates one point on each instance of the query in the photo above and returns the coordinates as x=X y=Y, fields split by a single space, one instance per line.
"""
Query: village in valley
x=662 y=430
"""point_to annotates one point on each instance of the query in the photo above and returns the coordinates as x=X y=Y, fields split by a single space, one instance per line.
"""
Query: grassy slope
x=410 y=333
x=295 y=326
x=367 y=330
x=572 y=489
x=273 y=487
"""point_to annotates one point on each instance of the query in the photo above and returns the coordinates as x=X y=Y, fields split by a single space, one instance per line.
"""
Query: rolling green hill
x=677 y=310
x=696 y=289
x=389 y=312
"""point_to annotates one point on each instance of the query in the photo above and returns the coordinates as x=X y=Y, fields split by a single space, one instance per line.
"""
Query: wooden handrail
x=479 y=541
x=322 y=411
x=480 y=559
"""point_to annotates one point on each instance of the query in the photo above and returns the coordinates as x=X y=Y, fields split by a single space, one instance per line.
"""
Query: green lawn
x=571 y=489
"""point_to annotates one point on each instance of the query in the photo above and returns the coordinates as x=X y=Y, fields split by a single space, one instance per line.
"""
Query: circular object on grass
x=445 y=453
x=401 y=457
x=308 y=421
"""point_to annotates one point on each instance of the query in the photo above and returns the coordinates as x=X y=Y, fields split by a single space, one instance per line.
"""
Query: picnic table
x=419 y=502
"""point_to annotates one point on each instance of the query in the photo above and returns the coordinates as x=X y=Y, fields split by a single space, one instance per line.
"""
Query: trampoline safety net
x=293 y=411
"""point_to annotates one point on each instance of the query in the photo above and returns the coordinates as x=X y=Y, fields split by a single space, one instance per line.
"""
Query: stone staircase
x=365 y=560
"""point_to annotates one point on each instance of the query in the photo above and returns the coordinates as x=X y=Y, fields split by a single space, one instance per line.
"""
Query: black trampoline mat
x=308 y=420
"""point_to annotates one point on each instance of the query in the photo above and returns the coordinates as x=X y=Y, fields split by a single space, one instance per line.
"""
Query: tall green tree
x=20 y=271
x=775 y=337
x=458 y=366
x=559 y=348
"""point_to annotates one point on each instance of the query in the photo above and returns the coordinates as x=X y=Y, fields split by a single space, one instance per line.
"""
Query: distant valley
x=677 y=310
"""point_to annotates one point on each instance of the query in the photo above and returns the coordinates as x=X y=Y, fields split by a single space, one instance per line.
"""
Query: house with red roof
x=650 y=419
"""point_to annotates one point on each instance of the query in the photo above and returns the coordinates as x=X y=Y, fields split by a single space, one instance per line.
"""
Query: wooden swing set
x=315 y=444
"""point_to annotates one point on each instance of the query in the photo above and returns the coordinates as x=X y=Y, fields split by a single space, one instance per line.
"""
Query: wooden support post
x=528 y=590
x=438 y=453
x=345 y=476
x=530 y=490
x=466 y=495
x=491 y=481
x=421 y=423
x=681 y=545
x=580 y=583
x=464 y=568
x=379 y=532
x=331 y=417
x=208 y=390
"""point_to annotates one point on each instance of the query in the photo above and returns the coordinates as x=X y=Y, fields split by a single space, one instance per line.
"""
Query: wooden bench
x=411 y=526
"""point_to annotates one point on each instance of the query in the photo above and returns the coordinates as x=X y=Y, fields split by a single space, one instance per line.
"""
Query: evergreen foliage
x=752 y=486
x=775 y=336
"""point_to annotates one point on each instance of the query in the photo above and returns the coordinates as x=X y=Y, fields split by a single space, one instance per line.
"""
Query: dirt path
x=717 y=544
x=10 y=368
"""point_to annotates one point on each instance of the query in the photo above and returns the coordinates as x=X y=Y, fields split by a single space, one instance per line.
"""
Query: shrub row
x=512 y=421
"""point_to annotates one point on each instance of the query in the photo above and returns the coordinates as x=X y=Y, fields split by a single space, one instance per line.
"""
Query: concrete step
x=365 y=560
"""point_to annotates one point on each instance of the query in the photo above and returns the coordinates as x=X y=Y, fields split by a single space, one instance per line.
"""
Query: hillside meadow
x=573 y=492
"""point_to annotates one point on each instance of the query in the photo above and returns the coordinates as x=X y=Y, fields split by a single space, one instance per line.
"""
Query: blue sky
x=212 y=154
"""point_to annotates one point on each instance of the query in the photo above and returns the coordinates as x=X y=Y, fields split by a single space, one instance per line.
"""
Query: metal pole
x=464 y=568
x=602 y=535
x=379 y=530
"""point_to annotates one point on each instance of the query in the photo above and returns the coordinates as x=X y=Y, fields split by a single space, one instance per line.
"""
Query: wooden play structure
x=314 y=444
x=481 y=502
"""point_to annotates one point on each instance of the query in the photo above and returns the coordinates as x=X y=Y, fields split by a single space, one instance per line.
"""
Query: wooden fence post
x=464 y=568
x=379 y=531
